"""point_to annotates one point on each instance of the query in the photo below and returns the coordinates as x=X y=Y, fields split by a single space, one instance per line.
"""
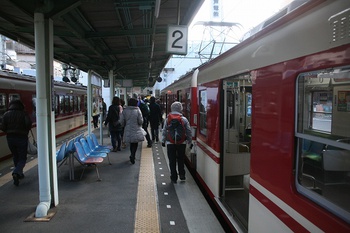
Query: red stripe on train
x=290 y=222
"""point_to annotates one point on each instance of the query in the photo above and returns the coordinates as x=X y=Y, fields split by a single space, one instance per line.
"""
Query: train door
x=236 y=154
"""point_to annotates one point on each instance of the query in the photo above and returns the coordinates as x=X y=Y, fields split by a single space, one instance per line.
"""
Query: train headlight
x=66 y=79
x=74 y=79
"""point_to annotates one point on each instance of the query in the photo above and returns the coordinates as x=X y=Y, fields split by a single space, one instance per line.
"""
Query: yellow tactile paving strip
x=146 y=216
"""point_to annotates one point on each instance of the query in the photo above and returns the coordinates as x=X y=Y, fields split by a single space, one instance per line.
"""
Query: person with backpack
x=145 y=114
x=176 y=133
x=112 y=119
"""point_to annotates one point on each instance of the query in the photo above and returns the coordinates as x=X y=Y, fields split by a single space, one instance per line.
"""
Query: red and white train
x=69 y=104
x=271 y=123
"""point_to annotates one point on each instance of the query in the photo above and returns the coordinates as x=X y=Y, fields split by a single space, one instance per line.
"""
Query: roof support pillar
x=45 y=116
x=112 y=85
x=89 y=100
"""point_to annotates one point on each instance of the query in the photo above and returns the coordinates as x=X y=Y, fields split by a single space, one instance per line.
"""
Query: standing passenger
x=95 y=114
x=145 y=114
x=122 y=104
x=155 y=118
x=104 y=110
x=176 y=152
x=114 y=126
x=16 y=124
x=131 y=119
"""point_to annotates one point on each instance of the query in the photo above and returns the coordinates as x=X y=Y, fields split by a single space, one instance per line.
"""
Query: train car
x=69 y=104
x=271 y=123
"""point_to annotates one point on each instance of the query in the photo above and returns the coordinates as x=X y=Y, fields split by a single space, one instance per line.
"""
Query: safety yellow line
x=146 y=216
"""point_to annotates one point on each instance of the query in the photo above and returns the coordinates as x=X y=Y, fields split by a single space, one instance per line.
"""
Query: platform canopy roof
x=102 y=35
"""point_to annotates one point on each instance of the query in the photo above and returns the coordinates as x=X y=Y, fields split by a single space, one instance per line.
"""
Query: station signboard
x=177 y=39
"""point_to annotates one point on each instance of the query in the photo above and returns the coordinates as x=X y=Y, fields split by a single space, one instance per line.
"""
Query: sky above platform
x=248 y=13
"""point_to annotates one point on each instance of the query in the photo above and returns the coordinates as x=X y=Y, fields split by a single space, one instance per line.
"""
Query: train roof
x=272 y=32
x=30 y=78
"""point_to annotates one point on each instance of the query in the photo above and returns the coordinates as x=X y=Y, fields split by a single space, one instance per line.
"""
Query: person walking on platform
x=104 y=109
x=145 y=114
x=122 y=104
x=95 y=114
x=176 y=132
x=131 y=119
x=114 y=126
x=155 y=118
x=16 y=123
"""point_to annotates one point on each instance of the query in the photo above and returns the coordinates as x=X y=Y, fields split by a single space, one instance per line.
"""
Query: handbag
x=143 y=131
x=116 y=123
x=32 y=146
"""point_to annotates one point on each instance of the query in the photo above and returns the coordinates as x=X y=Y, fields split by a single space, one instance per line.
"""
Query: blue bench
x=86 y=160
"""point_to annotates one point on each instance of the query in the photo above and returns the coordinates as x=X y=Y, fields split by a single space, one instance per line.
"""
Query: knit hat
x=176 y=107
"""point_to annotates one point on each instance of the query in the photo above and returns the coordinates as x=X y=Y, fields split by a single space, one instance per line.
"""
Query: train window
x=78 y=103
x=34 y=105
x=179 y=96
x=203 y=112
x=66 y=104
x=56 y=105
x=75 y=103
x=323 y=139
x=71 y=104
x=2 y=104
x=14 y=97
x=187 y=108
x=62 y=104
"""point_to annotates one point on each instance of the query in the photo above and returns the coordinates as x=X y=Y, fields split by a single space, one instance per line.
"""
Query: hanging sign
x=177 y=39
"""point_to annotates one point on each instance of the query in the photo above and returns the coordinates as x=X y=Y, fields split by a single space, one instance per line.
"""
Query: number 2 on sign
x=179 y=37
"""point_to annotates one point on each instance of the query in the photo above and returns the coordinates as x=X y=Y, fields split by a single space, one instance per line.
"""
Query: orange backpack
x=176 y=131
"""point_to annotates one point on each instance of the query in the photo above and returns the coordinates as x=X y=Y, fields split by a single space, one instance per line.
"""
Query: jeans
x=133 y=149
x=18 y=147
x=155 y=131
x=145 y=126
x=116 y=137
x=95 y=120
x=176 y=154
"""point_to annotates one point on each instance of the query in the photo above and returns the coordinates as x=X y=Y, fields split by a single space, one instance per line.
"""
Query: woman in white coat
x=131 y=119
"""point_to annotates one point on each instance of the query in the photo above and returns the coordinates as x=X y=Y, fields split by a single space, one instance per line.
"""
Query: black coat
x=155 y=116
x=16 y=121
x=113 y=117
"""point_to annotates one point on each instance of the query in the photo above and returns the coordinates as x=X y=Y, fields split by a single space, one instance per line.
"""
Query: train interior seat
x=312 y=154
x=237 y=168
x=326 y=164
x=336 y=160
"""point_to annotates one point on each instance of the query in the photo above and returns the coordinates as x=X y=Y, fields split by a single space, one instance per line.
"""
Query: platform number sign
x=177 y=39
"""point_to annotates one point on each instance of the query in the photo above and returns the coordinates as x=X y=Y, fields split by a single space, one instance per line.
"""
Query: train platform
x=130 y=197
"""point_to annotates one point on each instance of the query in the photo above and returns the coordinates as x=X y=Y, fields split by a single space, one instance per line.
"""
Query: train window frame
x=66 y=104
x=34 y=103
x=79 y=103
x=3 y=104
x=317 y=150
x=203 y=106
x=75 y=103
x=14 y=96
x=71 y=104
x=61 y=104
x=56 y=107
